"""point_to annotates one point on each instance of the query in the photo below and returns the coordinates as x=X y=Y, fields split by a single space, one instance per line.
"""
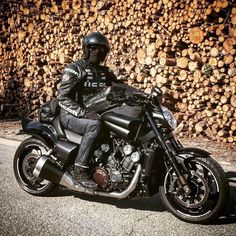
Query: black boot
x=82 y=176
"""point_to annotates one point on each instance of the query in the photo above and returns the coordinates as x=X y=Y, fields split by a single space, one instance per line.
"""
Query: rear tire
x=25 y=159
x=211 y=192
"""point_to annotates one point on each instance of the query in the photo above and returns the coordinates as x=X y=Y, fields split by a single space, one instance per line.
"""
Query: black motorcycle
x=136 y=155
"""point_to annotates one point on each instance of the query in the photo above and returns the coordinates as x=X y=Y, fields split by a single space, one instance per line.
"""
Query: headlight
x=169 y=117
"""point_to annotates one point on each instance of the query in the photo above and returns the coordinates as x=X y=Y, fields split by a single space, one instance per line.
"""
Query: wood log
x=141 y=56
x=214 y=52
x=182 y=75
x=228 y=59
x=229 y=44
x=233 y=100
x=196 y=35
x=182 y=62
x=192 y=65
x=187 y=49
x=151 y=50
x=167 y=61
x=161 y=80
x=182 y=107
x=199 y=127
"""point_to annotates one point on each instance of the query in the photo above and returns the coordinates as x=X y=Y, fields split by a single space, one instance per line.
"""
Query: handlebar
x=135 y=99
x=138 y=98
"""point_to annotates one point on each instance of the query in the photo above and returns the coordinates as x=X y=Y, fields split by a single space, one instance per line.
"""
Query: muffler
x=48 y=170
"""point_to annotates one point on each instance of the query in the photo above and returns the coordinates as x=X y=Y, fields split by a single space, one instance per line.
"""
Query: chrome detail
x=158 y=115
x=105 y=147
x=39 y=165
x=169 y=117
x=127 y=149
x=69 y=182
x=116 y=176
x=128 y=190
x=49 y=152
x=98 y=153
x=135 y=157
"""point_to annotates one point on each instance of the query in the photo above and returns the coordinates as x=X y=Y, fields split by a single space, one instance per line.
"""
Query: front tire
x=25 y=159
x=210 y=192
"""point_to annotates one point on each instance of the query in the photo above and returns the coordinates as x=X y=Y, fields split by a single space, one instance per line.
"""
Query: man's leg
x=90 y=130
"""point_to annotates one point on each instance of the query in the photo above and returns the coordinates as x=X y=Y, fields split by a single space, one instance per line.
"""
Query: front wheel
x=26 y=157
x=210 y=191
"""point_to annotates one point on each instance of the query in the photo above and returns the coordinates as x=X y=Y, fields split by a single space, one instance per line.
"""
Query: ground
x=224 y=152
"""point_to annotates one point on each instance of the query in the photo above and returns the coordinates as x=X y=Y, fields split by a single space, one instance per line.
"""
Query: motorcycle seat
x=63 y=133
x=73 y=137
x=58 y=127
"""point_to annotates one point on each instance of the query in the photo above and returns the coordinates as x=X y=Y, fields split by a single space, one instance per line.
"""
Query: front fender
x=186 y=154
x=189 y=152
x=39 y=130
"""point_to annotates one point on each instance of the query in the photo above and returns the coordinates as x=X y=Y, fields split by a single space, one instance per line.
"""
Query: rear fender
x=39 y=130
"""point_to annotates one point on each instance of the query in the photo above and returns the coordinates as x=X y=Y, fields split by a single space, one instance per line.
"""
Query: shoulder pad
x=75 y=68
x=81 y=63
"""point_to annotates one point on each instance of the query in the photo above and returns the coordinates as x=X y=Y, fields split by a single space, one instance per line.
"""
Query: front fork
x=170 y=153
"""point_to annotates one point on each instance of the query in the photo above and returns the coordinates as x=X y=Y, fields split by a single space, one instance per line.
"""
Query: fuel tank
x=123 y=125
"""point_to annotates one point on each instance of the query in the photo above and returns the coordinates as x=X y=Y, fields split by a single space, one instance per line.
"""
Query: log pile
x=186 y=47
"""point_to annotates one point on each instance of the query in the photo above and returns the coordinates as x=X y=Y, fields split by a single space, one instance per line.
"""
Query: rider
x=80 y=80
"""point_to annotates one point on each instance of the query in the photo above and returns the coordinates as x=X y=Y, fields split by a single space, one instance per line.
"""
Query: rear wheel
x=210 y=191
x=26 y=157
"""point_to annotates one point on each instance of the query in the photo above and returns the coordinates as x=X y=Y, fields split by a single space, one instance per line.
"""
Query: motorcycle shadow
x=228 y=216
x=153 y=203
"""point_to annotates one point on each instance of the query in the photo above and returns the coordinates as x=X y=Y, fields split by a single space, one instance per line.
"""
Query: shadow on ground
x=148 y=204
x=228 y=216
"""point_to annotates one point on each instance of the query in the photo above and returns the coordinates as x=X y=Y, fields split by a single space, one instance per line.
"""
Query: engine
x=115 y=165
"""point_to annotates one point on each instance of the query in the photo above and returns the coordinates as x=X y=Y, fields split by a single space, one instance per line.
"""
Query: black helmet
x=97 y=39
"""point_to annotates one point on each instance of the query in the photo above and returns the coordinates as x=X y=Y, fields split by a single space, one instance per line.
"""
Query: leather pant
x=90 y=129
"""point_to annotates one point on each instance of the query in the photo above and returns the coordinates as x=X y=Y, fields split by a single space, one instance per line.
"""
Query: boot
x=82 y=176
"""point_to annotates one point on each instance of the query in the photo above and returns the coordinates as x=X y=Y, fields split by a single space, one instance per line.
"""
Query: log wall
x=186 y=47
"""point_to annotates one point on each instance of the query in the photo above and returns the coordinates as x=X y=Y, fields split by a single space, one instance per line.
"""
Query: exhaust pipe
x=48 y=170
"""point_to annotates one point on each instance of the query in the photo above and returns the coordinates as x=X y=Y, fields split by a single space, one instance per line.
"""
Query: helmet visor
x=97 y=53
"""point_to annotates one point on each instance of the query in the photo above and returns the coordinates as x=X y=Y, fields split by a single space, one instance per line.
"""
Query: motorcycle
x=136 y=155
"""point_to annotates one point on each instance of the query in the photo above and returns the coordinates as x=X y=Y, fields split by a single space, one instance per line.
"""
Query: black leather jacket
x=81 y=80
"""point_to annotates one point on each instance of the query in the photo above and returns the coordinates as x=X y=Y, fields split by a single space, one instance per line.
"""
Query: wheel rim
x=205 y=191
x=26 y=164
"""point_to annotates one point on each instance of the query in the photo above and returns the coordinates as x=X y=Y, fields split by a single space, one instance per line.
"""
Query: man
x=80 y=80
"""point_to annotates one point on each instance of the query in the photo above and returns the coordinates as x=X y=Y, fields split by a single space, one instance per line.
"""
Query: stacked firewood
x=185 y=47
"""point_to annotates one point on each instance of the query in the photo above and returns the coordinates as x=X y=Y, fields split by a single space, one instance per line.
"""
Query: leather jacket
x=80 y=81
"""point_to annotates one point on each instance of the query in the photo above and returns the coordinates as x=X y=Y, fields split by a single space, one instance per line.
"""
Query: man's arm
x=111 y=76
x=70 y=77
